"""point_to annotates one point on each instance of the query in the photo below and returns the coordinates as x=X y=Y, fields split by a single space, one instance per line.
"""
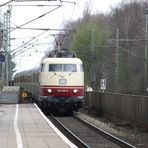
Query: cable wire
x=131 y=53
x=6 y=3
x=22 y=46
x=18 y=27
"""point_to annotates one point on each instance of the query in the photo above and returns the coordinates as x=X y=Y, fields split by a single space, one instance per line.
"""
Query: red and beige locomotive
x=59 y=85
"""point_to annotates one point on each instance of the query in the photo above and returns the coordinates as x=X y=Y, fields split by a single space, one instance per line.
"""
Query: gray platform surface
x=28 y=128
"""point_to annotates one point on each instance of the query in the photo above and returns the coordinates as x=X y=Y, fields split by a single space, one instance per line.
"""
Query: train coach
x=59 y=85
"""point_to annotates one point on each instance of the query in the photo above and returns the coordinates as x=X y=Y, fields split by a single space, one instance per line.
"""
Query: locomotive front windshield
x=62 y=68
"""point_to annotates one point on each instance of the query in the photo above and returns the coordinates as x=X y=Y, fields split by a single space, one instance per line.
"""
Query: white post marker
x=17 y=133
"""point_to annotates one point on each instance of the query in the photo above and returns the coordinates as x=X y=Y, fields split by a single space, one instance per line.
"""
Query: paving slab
x=24 y=126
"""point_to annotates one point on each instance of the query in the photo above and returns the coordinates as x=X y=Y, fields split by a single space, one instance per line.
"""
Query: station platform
x=25 y=126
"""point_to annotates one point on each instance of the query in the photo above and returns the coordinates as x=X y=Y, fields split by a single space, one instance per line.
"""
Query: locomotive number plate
x=62 y=81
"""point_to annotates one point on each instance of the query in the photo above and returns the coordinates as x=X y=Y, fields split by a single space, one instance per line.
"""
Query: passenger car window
x=55 y=67
x=69 y=67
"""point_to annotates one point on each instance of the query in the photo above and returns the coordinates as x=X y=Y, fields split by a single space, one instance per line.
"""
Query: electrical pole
x=116 y=62
x=146 y=46
x=93 y=75
x=6 y=42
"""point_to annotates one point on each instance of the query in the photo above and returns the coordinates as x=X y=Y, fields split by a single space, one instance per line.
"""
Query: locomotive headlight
x=75 y=90
x=49 y=90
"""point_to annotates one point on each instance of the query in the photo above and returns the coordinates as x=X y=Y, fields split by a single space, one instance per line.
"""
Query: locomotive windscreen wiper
x=71 y=72
x=54 y=73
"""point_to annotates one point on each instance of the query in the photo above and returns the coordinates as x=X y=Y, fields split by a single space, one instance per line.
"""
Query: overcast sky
x=54 y=20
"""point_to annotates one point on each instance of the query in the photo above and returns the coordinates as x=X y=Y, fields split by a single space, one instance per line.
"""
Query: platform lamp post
x=146 y=45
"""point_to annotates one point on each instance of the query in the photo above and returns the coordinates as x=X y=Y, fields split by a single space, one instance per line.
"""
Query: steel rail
x=106 y=135
x=69 y=134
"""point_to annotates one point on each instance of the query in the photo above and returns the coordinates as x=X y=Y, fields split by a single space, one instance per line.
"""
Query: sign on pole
x=103 y=84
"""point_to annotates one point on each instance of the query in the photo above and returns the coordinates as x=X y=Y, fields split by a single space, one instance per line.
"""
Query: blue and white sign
x=2 y=58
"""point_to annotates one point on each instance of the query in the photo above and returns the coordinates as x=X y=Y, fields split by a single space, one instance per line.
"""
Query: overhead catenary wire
x=104 y=56
x=26 y=50
x=72 y=9
x=37 y=18
x=25 y=44
x=20 y=38
x=72 y=14
x=44 y=29
x=22 y=50
x=112 y=44
x=34 y=0
x=109 y=62
x=21 y=27
x=122 y=48
x=39 y=43
x=18 y=27
x=63 y=35
x=31 y=5
x=67 y=2
x=28 y=44
x=6 y=3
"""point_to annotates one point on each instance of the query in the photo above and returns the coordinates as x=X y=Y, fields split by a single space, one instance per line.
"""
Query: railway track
x=86 y=135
